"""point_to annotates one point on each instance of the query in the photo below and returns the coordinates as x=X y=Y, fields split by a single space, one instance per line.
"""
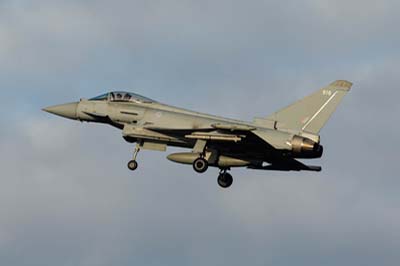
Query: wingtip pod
x=342 y=84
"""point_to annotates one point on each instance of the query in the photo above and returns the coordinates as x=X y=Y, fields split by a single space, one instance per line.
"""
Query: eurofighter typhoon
x=275 y=142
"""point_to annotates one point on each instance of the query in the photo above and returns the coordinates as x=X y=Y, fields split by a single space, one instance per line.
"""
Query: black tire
x=225 y=180
x=132 y=165
x=200 y=165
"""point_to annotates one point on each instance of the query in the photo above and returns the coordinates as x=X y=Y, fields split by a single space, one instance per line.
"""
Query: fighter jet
x=275 y=142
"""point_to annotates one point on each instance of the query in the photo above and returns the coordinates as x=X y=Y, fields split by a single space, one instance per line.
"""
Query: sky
x=67 y=198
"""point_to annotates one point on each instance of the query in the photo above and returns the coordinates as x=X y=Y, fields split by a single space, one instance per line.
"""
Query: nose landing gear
x=133 y=165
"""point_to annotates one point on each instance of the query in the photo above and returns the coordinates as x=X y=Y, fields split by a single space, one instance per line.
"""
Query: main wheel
x=200 y=165
x=225 y=180
x=132 y=165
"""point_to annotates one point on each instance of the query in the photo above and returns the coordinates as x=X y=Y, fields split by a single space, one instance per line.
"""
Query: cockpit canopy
x=122 y=96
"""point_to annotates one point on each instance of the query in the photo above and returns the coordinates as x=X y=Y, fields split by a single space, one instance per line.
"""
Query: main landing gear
x=200 y=165
x=133 y=165
x=225 y=179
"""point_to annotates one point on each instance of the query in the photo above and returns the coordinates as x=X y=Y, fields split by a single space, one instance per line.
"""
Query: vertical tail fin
x=311 y=113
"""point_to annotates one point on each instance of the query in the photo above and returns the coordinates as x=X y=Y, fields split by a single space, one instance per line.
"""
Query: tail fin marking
x=311 y=113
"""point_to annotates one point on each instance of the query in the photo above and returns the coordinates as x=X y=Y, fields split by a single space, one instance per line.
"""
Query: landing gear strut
x=133 y=165
x=225 y=179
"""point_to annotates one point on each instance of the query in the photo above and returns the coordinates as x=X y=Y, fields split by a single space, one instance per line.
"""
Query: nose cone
x=65 y=110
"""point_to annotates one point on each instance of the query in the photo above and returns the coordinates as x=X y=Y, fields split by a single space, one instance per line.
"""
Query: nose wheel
x=225 y=179
x=133 y=165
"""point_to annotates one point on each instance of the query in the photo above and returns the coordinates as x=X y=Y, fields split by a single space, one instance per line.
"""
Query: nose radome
x=65 y=110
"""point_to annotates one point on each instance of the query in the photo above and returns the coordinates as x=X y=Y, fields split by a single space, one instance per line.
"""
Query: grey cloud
x=66 y=197
x=71 y=209
x=65 y=34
